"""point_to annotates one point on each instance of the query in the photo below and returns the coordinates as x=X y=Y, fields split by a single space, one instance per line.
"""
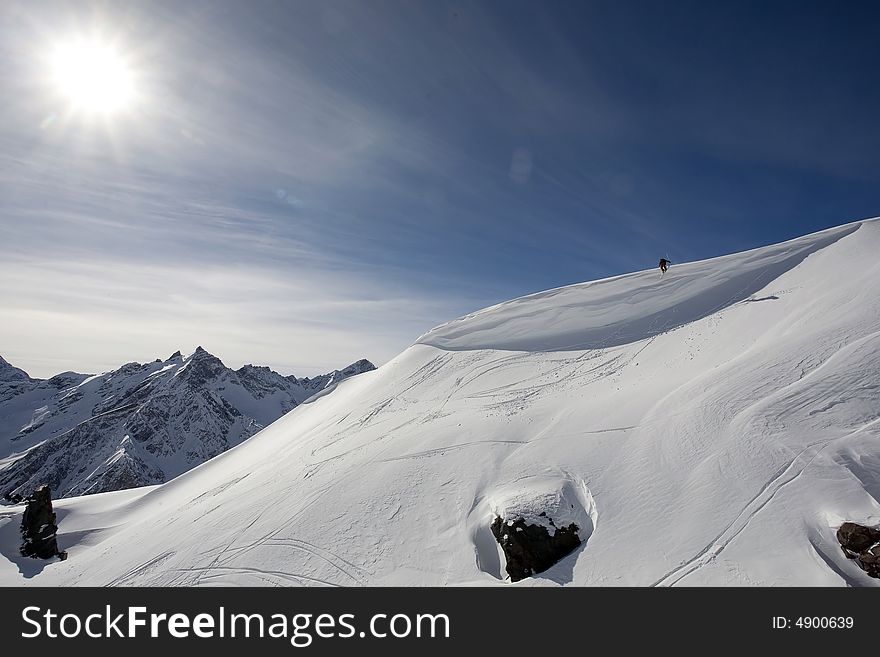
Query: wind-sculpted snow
x=628 y=308
x=722 y=450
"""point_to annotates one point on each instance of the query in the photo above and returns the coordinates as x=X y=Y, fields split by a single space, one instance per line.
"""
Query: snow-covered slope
x=713 y=426
x=138 y=425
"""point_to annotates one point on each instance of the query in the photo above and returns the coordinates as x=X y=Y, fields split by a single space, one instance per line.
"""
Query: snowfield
x=711 y=427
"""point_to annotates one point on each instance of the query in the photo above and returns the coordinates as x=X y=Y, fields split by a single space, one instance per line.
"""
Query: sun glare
x=92 y=76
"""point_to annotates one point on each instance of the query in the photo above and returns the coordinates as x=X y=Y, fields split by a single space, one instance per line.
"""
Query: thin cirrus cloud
x=132 y=271
x=64 y=314
x=205 y=228
x=305 y=183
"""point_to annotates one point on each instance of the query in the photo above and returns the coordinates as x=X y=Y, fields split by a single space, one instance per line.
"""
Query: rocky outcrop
x=38 y=527
x=532 y=548
x=861 y=544
x=8 y=373
x=318 y=383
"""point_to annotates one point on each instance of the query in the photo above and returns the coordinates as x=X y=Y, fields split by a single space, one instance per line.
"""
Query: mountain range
x=140 y=424
x=716 y=425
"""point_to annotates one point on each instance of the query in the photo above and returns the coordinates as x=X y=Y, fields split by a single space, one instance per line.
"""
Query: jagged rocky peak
x=11 y=373
x=202 y=366
x=255 y=369
x=128 y=368
x=324 y=380
x=204 y=357
x=67 y=380
x=201 y=353
x=261 y=381
x=258 y=373
x=139 y=424
x=359 y=367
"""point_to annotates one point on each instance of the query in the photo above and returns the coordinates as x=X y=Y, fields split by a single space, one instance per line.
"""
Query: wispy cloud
x=94 y=316
x=304 y=183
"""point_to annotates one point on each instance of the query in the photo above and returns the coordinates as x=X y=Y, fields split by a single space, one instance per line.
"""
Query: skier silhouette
x=664 y=265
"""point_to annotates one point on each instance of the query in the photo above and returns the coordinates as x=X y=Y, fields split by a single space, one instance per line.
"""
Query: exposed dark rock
x=10 y=373
x=38 y=527
x=128 y=369
x=857 y=538
x=324 y=380
x=861 y=544
x=65 y=380
x=12 y=498
x=869 y=560
x=261 y=382
x=360 y=367
x=203 y=367
x=530 y=549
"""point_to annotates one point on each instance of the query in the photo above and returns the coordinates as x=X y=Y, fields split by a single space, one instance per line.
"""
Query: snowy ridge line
x=721 y=449
x=845 y=228
x=626 y=309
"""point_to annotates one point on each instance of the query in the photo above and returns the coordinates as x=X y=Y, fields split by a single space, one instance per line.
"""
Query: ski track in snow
x=787 y=475
x=441 y=450
x=719 y=400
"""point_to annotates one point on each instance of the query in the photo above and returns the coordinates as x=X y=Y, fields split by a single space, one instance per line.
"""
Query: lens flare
x=94 y=77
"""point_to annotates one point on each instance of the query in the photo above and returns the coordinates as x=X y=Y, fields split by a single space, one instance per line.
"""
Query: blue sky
x=301 y=184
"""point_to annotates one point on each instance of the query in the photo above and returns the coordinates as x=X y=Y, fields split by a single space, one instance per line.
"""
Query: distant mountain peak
x=362 y=365
x=129 y=368
x=202 y=367
x=325 y=380
x=251 y=366
x=11 y=373
x=139 y=424
x=200 y=354
x=250 y=369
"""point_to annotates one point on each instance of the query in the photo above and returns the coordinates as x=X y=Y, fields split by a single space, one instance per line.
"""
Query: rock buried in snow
x=856 y=538
x=869 y=560
x=862 y=544
x=532 y=548
x=537 y=520
x=38 y=527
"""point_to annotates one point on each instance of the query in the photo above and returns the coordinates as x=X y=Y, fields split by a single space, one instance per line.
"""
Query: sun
x=94 y=77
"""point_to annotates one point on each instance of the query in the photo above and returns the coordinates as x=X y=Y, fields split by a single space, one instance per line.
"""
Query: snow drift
x=711 y=427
